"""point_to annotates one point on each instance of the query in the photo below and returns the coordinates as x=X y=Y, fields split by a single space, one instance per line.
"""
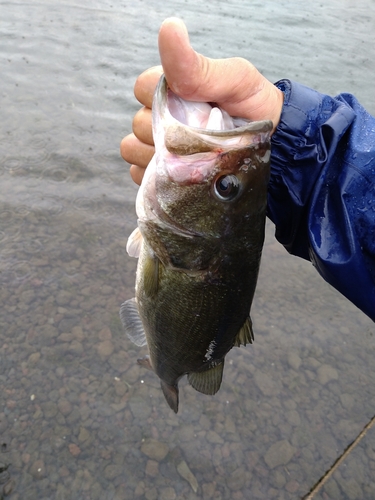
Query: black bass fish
x=201 y=215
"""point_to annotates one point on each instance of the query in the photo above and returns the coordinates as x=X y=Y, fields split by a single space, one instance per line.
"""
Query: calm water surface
x=78 y=418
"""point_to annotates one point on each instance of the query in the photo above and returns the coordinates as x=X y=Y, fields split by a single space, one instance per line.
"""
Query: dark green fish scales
x=201 y=215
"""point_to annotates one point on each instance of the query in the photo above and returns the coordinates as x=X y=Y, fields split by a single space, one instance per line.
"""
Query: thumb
x=234 y=83
x=182 y=66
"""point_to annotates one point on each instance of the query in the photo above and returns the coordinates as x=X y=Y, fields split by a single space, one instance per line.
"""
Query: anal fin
x=245 y=335
x=132 y=322
x=208 y=381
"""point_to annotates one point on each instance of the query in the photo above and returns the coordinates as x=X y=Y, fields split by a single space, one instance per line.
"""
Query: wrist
x=278 y=100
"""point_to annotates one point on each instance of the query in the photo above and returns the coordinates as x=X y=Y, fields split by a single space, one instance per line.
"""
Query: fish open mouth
x=199 y=127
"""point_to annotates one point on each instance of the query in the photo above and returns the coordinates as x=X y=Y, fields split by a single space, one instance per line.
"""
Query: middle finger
x=142 y=126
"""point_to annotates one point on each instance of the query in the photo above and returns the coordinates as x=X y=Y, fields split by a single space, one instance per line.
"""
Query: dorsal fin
x=208 y=381
x=245 y=335
x=132 y=322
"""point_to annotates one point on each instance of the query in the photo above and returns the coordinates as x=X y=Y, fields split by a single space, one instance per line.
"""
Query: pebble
x=112 y=471
x=279 y=453
x=37 y=469
x=151 y=494
x=213 y=437
x=65 y=337
x=167 y=493
x=152 y=468
x=105 y=348
x=83 y=435
x=105 y=334
x=34 y=358
x=65 y=407
x=63 y=298
x=236 y=479
x=49 y=409
x=327 y=373
x=352 y=489
x=121 y=388
x=64 y=471
x=77 y=333
x=347 y=401
x=9 y=487
x=208 y=489
x=294 y=360
x=119 y=362
x=332 y=489
x=292 y=486
x=75 y=348
x=140 y=489
x=74 y=449
x=230 y=426
x=265 y=383
x=278 y=479
x=293 y=418
x=154 y=449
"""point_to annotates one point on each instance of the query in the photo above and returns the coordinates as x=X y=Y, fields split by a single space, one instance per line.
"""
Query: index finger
x=145 y=85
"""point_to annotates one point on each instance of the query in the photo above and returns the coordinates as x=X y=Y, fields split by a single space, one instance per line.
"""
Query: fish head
x=204 y=181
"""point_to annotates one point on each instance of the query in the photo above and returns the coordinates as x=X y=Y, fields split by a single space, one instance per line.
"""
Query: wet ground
x=79 y=419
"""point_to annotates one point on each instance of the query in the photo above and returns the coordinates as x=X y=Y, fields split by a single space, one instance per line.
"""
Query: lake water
x=79 y=419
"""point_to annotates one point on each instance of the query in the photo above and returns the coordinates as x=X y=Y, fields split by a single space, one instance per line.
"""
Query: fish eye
x=226 y=187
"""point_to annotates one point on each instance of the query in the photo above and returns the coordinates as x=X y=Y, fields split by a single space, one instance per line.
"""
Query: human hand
x=234 y=84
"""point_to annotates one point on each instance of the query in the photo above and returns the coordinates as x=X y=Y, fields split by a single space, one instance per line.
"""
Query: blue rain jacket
x=321 y=193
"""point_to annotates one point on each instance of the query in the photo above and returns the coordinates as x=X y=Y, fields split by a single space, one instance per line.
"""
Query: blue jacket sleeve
x=321 y=193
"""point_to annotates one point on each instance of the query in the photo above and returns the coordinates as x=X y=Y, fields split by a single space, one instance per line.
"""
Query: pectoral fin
x=245 y=335
x=151 y=265
x=209 y=381
x=133 y=246
x=132 y=322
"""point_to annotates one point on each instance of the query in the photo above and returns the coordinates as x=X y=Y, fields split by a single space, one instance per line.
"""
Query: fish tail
x=171 y=394
x=145 y=362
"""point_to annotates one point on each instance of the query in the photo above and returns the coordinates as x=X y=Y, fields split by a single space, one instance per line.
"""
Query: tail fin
x=171 y=394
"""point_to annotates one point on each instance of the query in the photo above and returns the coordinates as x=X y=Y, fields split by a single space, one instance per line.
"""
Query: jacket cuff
x=310 y=126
